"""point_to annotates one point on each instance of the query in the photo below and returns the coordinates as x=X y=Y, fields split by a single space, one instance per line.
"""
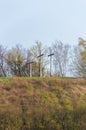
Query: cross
x=30 y=68
x=50 y=55
x=40 y=64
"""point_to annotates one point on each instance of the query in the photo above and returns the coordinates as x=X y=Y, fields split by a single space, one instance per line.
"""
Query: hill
x=42 y=103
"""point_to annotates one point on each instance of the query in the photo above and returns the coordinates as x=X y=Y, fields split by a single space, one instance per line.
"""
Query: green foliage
x=80 y=59
x=15 y=59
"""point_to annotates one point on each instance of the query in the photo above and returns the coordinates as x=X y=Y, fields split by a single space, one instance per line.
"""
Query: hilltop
x=42 y=103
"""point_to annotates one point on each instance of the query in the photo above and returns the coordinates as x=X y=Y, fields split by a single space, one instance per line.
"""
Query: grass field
x=42 y=103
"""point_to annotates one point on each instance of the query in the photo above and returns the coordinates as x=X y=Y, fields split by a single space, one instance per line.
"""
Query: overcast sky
x=26 y=21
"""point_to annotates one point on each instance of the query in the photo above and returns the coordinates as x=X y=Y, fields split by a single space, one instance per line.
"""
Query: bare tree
x=2 y=61
x=61 y=58
x=37 y=51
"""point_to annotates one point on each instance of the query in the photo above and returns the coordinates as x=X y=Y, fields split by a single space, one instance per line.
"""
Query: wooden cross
x=40 y=64
x=30 y=68
x=50 y=55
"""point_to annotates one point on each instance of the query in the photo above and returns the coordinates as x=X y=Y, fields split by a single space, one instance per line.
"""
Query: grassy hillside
x=42 y=104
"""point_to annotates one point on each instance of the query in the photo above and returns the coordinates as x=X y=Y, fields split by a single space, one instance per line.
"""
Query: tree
x=61 y=57
x=39 y=52
x=79 y=60
x=2 y=61
x=15 y=58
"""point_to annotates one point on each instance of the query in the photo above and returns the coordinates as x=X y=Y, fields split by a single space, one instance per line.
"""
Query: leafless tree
x=38 y=50
x=61 y=57
x=2 y=61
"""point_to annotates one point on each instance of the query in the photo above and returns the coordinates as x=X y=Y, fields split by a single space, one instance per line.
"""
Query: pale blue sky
x=25 y=21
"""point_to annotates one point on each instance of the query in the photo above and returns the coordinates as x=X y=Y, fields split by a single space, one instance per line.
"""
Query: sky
x=26 y=21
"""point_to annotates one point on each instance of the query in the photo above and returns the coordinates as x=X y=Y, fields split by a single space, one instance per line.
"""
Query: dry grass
x=13 y=89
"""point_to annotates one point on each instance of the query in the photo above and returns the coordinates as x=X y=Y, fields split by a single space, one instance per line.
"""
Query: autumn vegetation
x=43 y=88
x=42 y=103
x=59 y=59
